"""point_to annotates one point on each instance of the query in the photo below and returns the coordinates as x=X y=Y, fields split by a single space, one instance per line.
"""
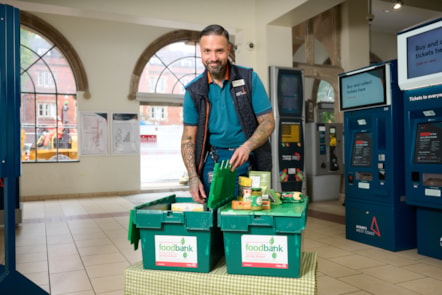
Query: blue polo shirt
x=224 y=127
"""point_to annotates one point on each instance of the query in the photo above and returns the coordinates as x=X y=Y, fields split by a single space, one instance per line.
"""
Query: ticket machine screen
x=428 y=143
x=362 y=150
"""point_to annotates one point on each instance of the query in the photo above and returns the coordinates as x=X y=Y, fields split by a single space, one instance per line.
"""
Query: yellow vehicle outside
x=52 y=148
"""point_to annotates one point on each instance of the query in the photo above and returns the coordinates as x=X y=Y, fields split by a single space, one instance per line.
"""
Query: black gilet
x=242 y=99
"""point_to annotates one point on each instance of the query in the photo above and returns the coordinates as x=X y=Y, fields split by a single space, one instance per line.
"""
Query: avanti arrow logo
x=375 y=227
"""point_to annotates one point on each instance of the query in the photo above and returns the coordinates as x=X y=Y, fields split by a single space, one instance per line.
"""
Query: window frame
x=35 y=24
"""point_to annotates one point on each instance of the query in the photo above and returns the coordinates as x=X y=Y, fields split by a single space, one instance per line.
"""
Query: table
x=139 y=281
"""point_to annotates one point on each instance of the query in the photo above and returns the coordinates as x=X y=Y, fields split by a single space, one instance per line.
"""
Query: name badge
x=238 y=83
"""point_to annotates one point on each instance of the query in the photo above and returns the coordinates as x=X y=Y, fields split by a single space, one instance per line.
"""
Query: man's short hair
x=214 y=30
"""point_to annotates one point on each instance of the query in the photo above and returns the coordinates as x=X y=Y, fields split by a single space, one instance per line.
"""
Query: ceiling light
x=398 y=4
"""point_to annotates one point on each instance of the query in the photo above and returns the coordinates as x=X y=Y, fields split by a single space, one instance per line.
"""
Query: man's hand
x=239 y=157
x=266 y=125
x=196 y=190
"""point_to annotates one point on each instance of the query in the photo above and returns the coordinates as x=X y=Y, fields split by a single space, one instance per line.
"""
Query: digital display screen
x=290 y=92
x=424 y=54
x=419 y=55
x=428 y=143
x=364 y=89
x=362 y=150
x=290 y=132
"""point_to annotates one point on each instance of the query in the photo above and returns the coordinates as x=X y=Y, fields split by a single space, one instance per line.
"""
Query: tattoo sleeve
x=266 y=125
x=188 y=150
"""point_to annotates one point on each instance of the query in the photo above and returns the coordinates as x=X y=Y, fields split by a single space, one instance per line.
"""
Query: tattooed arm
x=196 y=187
x=259 y=137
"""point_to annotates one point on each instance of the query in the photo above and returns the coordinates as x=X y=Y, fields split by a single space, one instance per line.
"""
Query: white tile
x=70 y=282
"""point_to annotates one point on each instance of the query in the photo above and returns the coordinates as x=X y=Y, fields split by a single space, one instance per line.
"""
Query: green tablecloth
x=139 y=281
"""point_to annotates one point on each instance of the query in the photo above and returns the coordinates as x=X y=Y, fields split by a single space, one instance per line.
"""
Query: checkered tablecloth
x=139 y=281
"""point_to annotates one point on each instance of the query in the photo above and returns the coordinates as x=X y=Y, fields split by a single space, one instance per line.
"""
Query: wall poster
x=125 y=133
x=94 y=129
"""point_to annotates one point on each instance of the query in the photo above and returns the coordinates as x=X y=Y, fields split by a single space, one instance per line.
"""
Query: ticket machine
x=287 y=141
x=376 y=209
x=420 y=76
x=324 y=163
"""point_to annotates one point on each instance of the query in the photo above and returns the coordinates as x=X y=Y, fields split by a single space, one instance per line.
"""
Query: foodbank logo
x=182 y=246
x=269 y=247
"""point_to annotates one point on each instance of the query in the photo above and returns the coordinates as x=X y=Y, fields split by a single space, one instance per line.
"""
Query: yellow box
x=187 y=207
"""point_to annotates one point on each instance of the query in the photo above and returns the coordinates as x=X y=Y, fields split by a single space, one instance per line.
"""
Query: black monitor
x=286 y=91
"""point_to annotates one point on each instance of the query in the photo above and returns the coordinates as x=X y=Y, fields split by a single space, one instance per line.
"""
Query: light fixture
x=398 y=4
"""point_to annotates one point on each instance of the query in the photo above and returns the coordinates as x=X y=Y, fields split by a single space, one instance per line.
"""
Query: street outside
x=160 y=153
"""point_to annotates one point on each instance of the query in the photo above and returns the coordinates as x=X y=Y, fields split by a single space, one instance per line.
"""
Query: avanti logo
x=374 y=228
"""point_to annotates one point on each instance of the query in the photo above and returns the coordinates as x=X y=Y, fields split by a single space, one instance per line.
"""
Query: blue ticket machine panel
x=423 y=109
x=376 y=212
x=420 y=65
x=287 y=141
x=420 y=77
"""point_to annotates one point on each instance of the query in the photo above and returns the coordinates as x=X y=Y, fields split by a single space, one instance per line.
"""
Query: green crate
x=182 y=241
x=174 y=240
x=266 y=242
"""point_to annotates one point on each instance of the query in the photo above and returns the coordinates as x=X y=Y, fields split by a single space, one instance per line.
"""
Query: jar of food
x=256 y=199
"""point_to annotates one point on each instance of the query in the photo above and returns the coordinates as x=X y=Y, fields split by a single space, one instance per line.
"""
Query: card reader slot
x=364 y=176
x=432 y=179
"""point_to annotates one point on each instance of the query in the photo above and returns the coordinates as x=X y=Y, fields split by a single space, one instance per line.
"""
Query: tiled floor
x=80 y=247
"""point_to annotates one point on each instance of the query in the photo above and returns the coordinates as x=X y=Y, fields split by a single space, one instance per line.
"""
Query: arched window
x=51 y=76
x=171 y=68
x=166 y=66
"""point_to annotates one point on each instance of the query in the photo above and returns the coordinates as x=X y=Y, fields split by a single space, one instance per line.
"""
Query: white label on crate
x=176 y=251
x=264 y=251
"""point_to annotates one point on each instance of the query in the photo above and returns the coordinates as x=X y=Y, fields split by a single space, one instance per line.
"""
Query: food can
x=256 y=199
x=244 y=188
x=247 y=195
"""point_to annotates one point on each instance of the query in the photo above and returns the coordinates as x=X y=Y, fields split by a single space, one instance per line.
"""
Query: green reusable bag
x=222 y=188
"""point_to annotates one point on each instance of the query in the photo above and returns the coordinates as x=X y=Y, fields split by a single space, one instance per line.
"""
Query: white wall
x=384 y=45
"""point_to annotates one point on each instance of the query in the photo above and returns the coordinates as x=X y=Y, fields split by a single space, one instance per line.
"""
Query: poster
x=94 y=133
x=125 y=133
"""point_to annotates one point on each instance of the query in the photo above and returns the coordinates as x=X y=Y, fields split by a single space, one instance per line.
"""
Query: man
x=227 y=116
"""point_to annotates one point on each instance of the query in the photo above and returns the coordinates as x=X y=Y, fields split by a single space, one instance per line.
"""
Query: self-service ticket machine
x=420 y=76
x=287 y=141
x=324 y=164
x=375 y=207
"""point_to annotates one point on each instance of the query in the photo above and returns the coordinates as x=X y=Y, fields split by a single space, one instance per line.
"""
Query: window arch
x=176 y=58
x=150 y=51
x=40 y=26
x=51 y=76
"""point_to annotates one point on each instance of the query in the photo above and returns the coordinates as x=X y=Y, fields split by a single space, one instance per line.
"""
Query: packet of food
x=292 y=197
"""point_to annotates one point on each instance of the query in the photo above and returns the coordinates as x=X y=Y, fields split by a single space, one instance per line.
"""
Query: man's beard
x=218 y=71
